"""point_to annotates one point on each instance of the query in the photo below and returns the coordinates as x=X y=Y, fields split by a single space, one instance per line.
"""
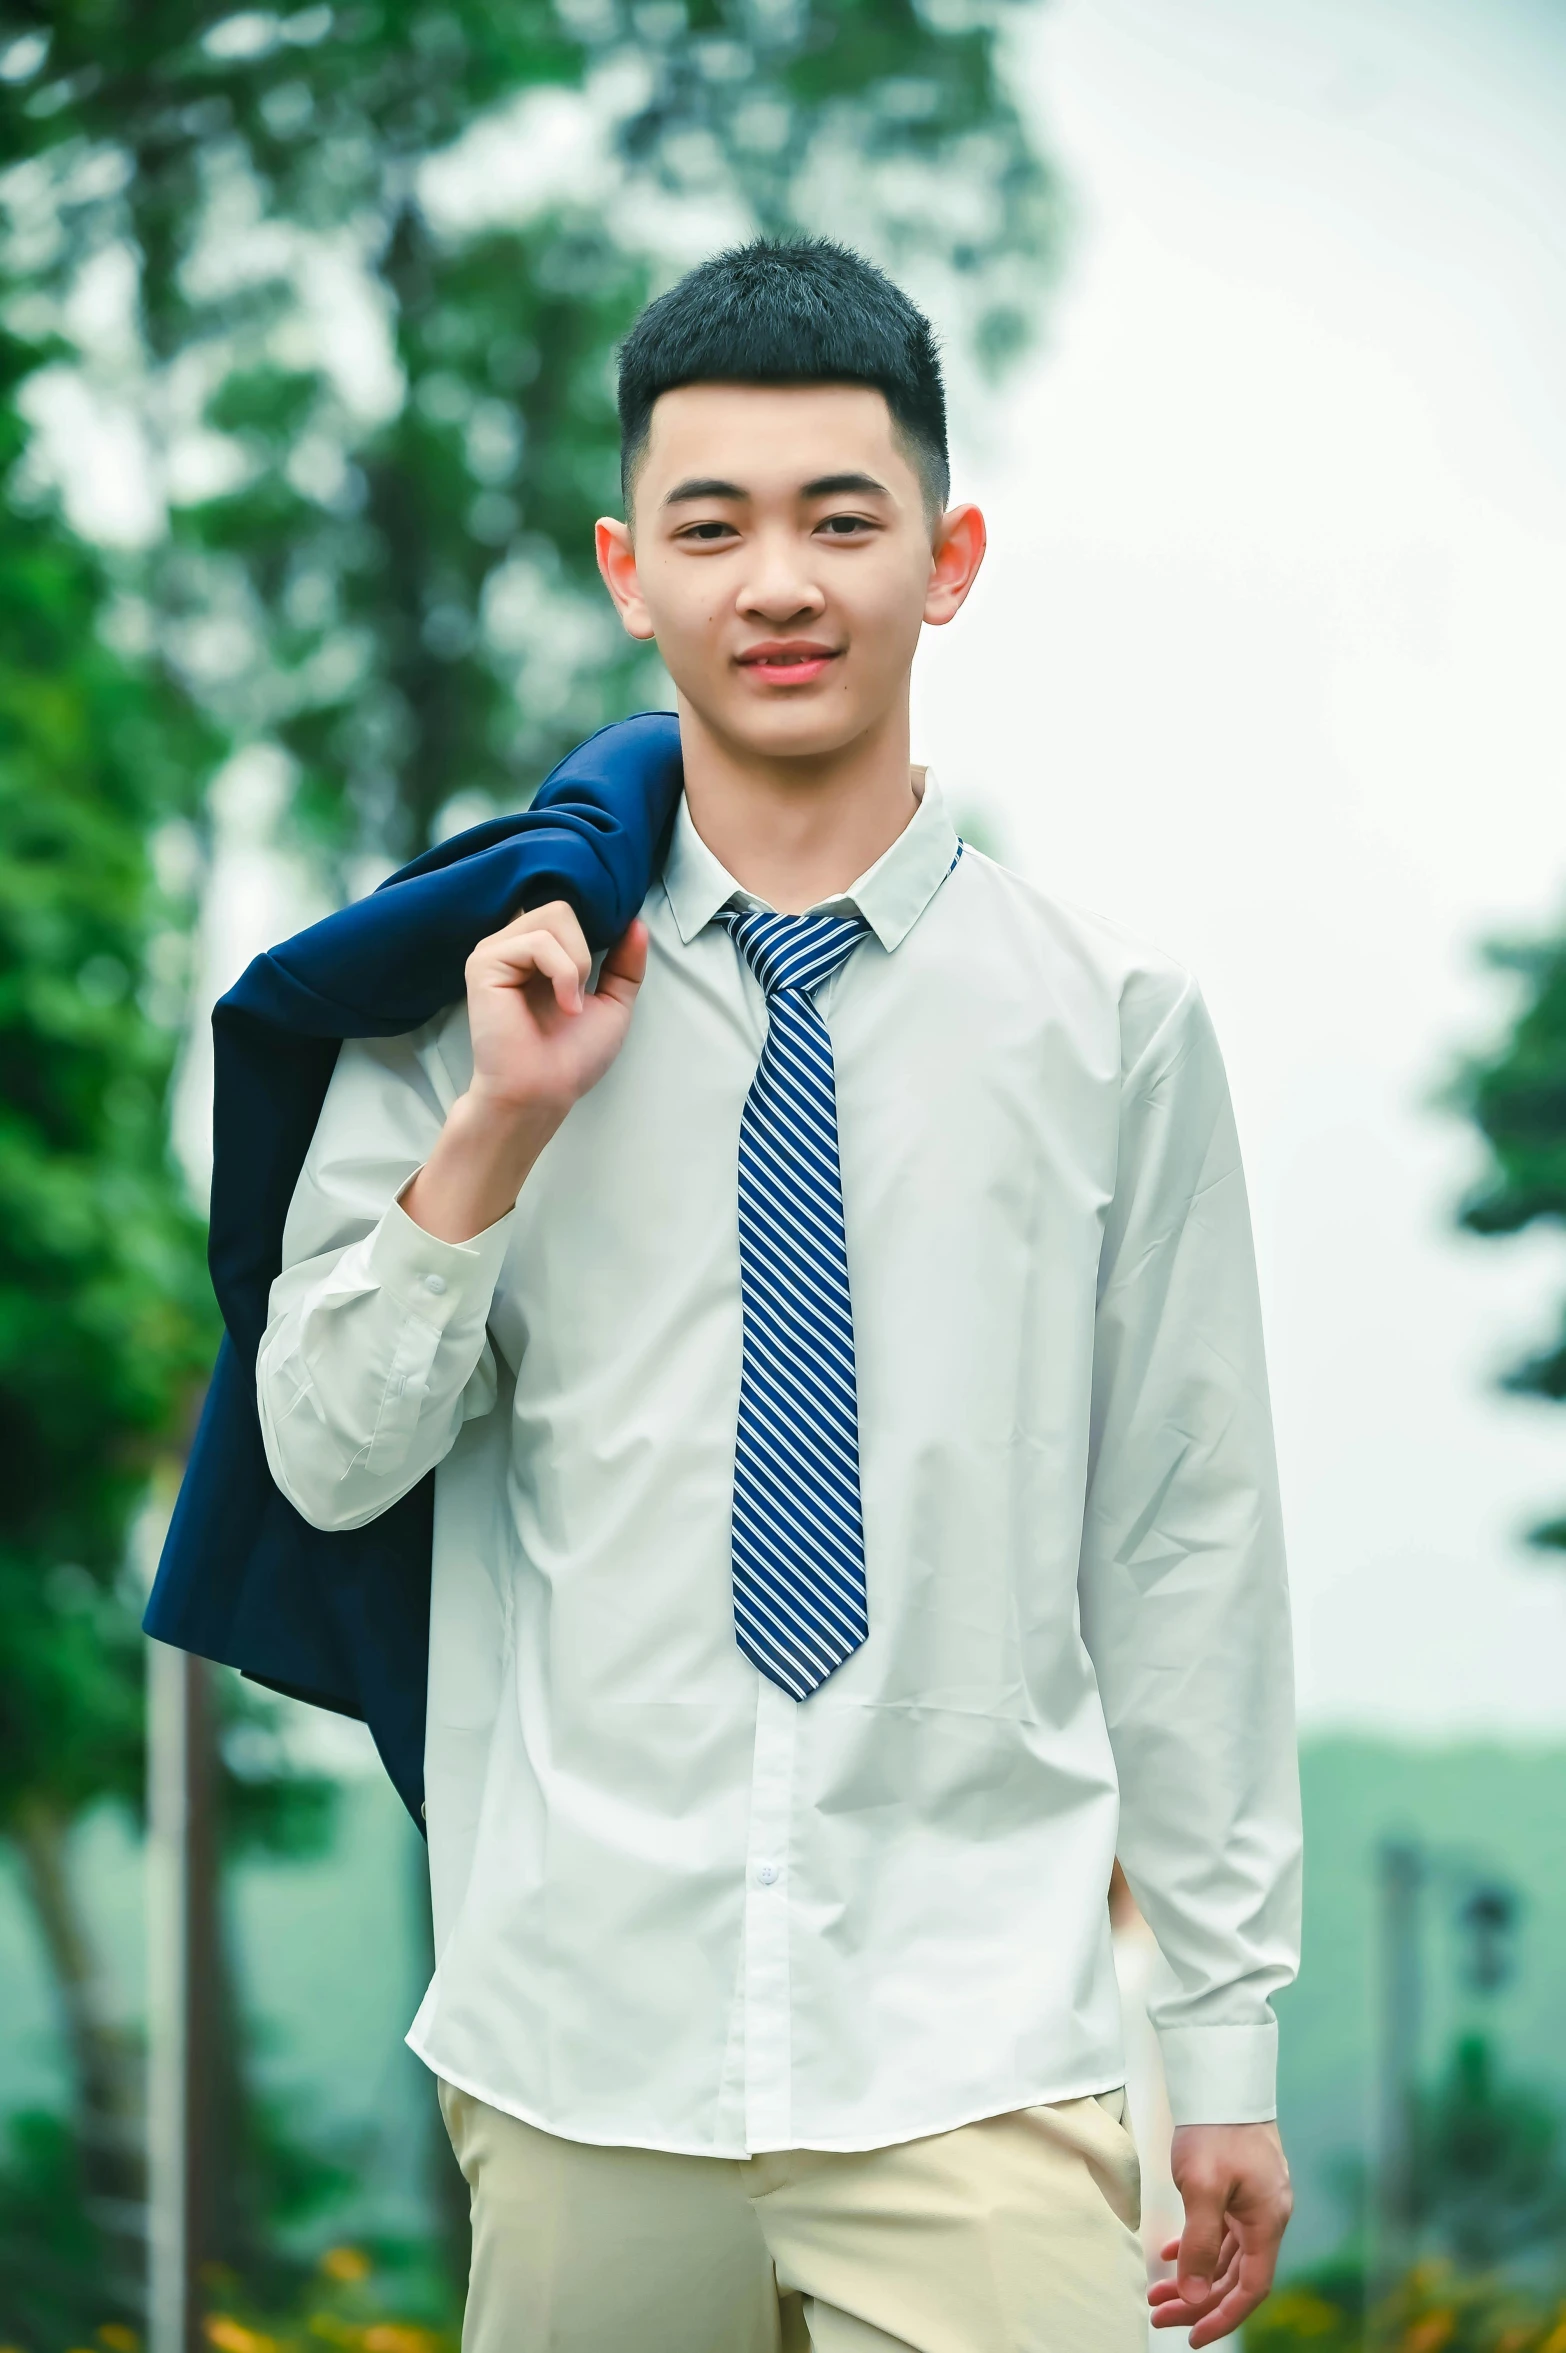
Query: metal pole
x=1401 y=1877
x=181 y=1866
x=167 y=1746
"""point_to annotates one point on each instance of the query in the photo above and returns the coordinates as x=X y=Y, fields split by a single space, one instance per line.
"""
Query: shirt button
x=766 y=1874
x=435 y=1285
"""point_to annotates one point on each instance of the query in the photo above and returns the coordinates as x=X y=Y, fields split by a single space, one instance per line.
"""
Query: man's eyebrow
x=700 y=486
x=835 y=485
x=703 y=486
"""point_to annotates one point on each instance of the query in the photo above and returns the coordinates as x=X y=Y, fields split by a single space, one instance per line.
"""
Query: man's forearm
x=479 y=1165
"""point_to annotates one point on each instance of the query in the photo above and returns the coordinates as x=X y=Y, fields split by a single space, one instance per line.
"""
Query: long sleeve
x=1184 y=1595
x=375 y=1350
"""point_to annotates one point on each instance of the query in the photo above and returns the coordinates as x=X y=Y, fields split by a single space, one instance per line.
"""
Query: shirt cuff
x=440 y=1282
x=1221 y=2074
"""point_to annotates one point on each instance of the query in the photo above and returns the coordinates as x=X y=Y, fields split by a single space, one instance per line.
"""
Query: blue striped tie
x=798 y=1541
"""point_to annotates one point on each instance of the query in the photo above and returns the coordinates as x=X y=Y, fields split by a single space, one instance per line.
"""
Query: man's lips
x=787 y=661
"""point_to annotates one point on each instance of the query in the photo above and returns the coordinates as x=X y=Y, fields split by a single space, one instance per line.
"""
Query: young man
x=856 y=1518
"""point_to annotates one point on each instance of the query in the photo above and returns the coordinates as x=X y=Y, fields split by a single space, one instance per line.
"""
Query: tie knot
x=792 y=951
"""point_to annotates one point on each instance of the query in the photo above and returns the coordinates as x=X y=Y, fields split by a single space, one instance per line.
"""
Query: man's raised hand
x=541 y=1038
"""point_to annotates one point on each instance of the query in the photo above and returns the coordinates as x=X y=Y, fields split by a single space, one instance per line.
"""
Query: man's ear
x=617 y=563
x=954 y=564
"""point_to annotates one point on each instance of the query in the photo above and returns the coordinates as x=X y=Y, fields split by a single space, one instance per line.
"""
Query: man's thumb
x=1201 y=2242
x=625 y=967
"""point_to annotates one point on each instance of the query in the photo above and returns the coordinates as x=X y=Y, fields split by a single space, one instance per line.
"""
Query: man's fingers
x=1242 y=2281
x=1167 y=2291
x=559 y=919
x=1250 y=2285
x=625 y=967
x=1201 y=2242
x=515 y=958
x=1169 y=2309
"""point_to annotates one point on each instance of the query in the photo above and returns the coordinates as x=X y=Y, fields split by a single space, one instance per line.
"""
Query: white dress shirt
x=675 y=1908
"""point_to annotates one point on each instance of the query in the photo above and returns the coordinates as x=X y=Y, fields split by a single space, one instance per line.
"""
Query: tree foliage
x=105 y=1322
x=1489 y=2163
x=51 y=2289
x=1516 y=1097
x=106 y=1318
x=388 y=567
x=105 y=1325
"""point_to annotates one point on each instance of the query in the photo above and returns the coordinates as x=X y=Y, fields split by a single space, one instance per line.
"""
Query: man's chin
x=808 y=729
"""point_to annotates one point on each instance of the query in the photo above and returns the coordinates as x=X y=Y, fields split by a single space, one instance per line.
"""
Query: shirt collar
x=891 y=895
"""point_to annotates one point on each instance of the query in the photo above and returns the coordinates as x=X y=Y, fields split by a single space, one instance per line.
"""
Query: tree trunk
x=105 y=2062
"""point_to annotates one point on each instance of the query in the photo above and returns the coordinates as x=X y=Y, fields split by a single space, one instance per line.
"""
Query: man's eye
x=844 y=526
x=708 y=531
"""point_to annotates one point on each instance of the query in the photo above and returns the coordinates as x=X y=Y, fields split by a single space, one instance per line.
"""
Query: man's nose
x=779 y=587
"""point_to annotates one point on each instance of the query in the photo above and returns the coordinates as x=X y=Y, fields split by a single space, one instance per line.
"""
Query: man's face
x=781 y=554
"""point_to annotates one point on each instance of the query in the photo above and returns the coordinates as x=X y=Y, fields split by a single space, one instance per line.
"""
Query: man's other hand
x=1233 y=2180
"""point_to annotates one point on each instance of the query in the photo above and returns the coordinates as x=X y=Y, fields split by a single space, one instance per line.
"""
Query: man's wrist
x=485 y=1152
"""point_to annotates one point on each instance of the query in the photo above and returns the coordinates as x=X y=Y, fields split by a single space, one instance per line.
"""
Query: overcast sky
x=1266 y=665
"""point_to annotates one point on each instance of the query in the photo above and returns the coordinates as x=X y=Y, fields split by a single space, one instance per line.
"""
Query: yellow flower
x=232 y=2336
x=1555 y=2342
x=119 y=2338
x=392 y=2337
x=1431 y=2333
x=346 y=2263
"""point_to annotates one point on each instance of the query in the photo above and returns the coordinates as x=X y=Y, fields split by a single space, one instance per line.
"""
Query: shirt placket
x=768 y=1902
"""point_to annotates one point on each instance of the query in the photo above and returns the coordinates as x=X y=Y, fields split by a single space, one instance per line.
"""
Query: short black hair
x=789 y=311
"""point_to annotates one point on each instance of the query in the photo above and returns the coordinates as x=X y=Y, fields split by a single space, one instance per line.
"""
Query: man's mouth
x=792 y=661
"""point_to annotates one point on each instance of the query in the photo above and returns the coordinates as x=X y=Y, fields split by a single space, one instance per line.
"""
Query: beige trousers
x=1014 y=2235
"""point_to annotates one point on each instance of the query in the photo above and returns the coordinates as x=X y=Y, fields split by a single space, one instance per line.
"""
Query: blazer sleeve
x=376 y=1349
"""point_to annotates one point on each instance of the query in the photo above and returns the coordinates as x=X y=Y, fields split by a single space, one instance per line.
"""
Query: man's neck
x=796 y=831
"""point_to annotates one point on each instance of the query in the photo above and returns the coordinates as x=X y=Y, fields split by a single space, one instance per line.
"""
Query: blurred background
x=1255 y=316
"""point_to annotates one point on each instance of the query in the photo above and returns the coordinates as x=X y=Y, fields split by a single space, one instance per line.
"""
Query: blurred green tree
x=370 y=268
x=1516 y=1097
x=51 y=2269
x=104 y=1325
x=1491 y=2181
x=106 y=1320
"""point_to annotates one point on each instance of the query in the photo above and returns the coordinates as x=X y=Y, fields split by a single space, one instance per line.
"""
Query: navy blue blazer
x=342 y=1619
